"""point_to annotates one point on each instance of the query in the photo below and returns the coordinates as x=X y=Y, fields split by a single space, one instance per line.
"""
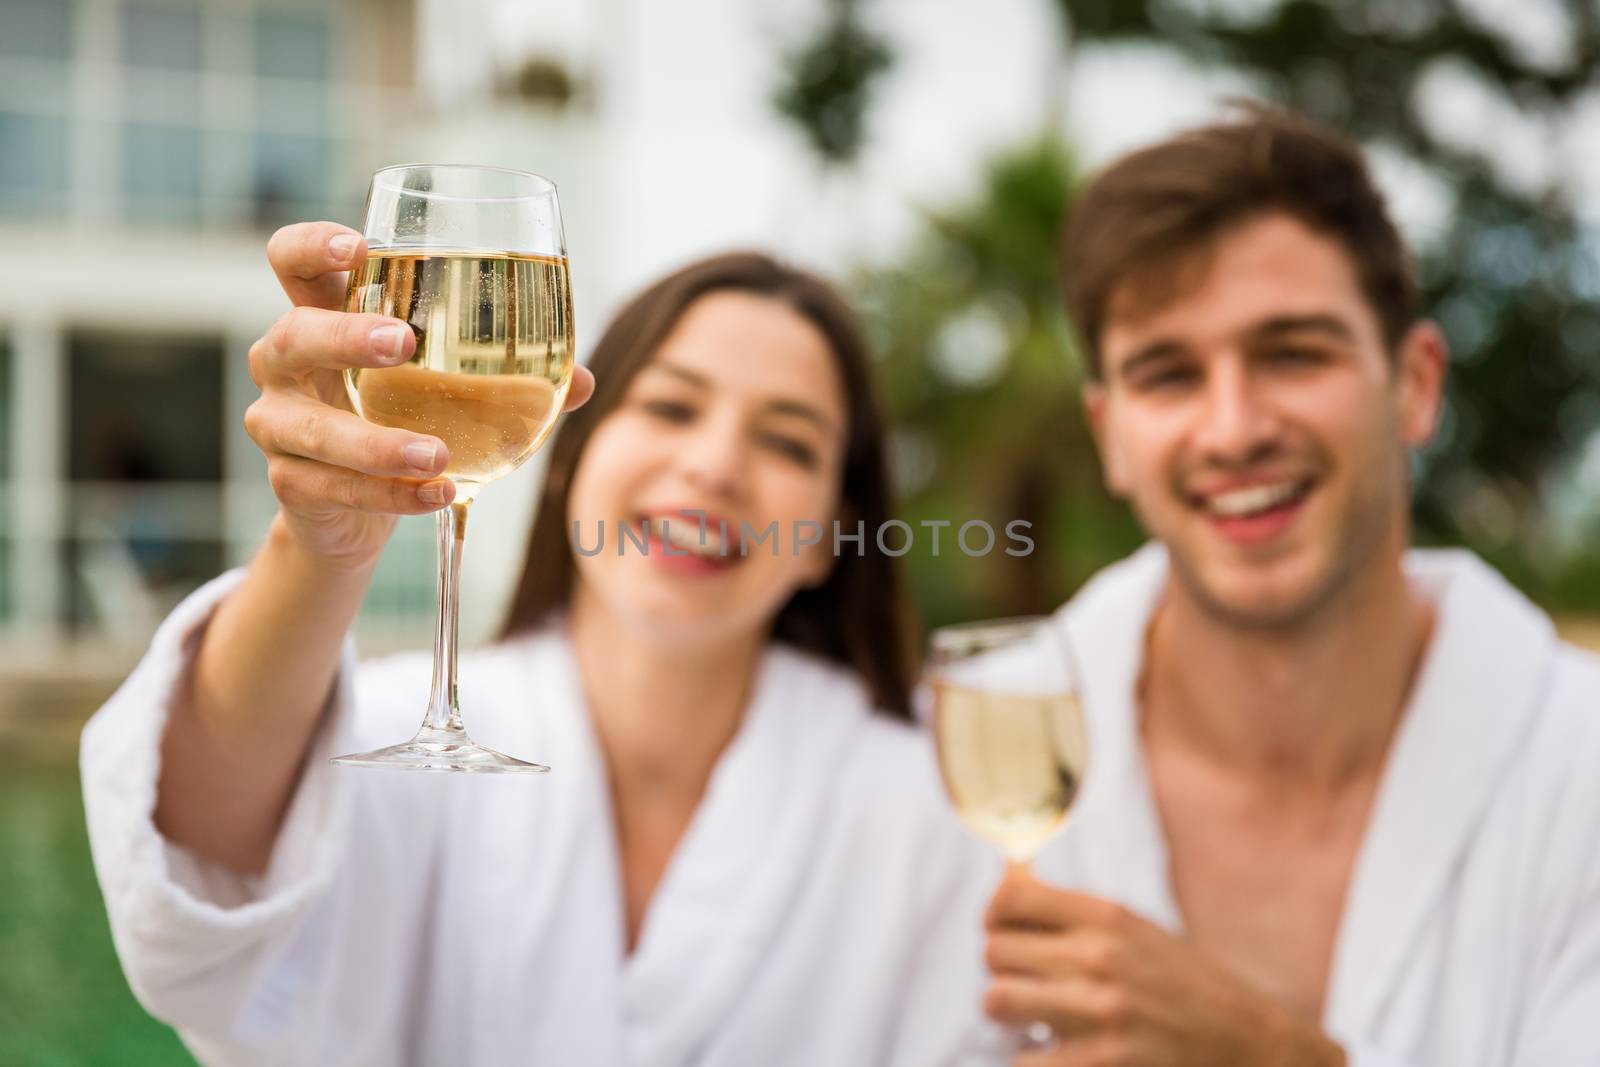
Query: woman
x=741 y=856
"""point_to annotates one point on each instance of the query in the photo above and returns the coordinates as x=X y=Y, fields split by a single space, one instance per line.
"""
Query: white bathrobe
x=1471 y=932
x=824 y=907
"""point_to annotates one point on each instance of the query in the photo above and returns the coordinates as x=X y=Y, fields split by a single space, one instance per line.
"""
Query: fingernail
x=388 y=343
x=421 y=454
x=342 y=246
x=431 y=493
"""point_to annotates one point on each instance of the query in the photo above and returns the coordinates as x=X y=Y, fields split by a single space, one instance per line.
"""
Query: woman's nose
x=712 y=456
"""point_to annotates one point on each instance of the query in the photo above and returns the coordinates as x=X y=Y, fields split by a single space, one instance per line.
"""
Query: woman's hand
x=340 y=480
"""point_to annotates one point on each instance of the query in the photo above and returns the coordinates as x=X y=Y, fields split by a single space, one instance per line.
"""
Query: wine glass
x=1008 y=723
x=473 y=258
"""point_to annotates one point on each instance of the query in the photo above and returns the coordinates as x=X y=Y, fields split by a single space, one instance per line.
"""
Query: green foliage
x=827 y=83
x=981 y=378
x=543 y=80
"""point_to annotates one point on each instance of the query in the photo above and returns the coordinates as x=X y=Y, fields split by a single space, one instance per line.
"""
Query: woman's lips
x=688 y=563
x=678 y=542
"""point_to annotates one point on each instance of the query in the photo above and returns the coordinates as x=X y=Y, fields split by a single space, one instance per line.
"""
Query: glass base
x=1001 y=1042
x=460 y=754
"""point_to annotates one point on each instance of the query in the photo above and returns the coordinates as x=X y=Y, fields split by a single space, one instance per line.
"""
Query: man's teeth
x=1257 y=498
x=685 y=534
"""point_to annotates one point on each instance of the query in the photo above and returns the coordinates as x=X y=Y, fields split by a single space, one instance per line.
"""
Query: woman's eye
x=671 y=410
x=796 y=450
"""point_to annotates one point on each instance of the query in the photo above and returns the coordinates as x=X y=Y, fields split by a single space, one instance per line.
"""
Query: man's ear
x=1095 y=404
x=1421 y=367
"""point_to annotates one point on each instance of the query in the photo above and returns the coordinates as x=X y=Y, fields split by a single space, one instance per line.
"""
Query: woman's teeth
x=686 y=534
x=1251 y=501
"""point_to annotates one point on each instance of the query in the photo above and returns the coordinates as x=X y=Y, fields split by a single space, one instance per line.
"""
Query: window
x=145 y=459
x=402 y=586
x=164 y=36
x=293 y=177
x=145 y=407
x=162 y=172
x=300 y=108
x=33 y=163
x=293 y=45
x=39 y=29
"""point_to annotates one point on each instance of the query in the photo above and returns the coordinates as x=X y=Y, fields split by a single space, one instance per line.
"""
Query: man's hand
x=1121 y=992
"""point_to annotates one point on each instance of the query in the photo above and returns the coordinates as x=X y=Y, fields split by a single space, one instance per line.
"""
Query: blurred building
x=146 y=148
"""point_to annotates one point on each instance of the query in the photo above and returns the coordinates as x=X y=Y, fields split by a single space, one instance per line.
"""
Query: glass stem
x=443 y=722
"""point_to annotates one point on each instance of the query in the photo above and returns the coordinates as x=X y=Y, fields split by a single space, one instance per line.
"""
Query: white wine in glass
x=1009 y=726
x=1012 y=762
x=494 y=348
x=474 y=260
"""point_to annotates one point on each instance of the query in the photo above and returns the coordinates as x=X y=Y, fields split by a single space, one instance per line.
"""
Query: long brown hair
x=857 y=617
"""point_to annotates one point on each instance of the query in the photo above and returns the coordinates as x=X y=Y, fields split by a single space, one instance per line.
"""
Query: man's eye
x=1171 y=378
x=671 y=410
x=1295 y=357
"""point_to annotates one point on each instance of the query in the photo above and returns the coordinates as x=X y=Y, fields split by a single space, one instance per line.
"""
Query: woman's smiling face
x=741 y=416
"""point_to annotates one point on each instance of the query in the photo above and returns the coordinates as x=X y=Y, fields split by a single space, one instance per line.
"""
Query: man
x=1344 y=798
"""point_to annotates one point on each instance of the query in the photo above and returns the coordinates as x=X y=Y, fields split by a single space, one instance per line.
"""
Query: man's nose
x=1236 y=421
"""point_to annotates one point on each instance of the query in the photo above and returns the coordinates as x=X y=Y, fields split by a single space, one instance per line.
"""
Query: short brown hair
x=1152 y=212
x=859 y=616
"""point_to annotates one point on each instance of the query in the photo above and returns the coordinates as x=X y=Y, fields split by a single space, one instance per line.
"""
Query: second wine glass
x=1009 y=727
x=1008 y=724
x=473 y=258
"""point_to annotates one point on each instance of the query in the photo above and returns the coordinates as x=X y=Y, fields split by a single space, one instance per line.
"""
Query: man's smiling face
x=1258 y=423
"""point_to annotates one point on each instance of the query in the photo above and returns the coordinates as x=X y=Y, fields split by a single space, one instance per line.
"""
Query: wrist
x=286 y=543
x=1323 y=1051
x=1299 y=1044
